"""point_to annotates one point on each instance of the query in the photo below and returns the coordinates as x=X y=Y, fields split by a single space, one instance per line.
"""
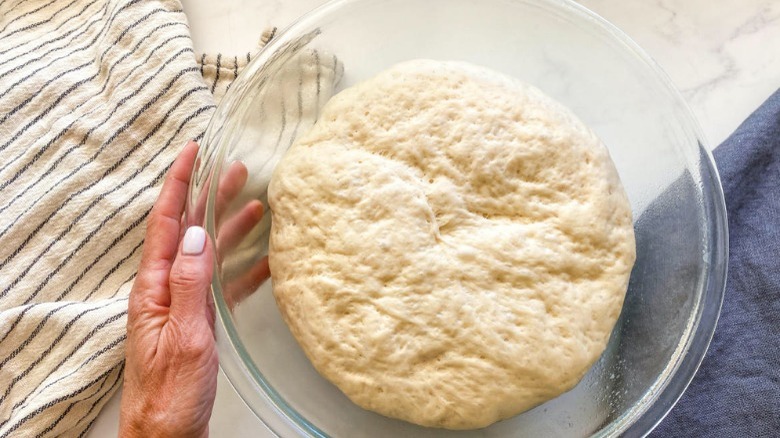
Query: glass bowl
x=676 y=286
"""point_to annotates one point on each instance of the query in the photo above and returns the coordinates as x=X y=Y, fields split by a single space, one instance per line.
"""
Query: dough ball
x=449 y=246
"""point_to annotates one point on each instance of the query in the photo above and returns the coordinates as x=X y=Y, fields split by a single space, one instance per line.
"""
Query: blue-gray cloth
x=736 y=392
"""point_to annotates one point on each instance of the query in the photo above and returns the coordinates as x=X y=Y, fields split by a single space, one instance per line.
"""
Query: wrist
x=145 y=420
x=139 y=427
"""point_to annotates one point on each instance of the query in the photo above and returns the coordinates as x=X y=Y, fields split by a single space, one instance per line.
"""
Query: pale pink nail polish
x=194 y=241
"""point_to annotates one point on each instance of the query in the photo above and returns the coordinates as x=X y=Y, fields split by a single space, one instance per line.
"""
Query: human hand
x=233 y=226
x=171 y=360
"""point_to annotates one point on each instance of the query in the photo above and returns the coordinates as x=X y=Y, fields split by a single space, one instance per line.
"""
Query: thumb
x=190 y=278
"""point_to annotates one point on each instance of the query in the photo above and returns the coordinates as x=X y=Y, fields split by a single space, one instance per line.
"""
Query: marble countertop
x=719 y=53
x=723 y=55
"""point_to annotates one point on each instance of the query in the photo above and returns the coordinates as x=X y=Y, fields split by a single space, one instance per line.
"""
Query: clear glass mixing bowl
x=676 y=286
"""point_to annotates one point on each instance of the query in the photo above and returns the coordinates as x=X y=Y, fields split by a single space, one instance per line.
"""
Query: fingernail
x=194 y=241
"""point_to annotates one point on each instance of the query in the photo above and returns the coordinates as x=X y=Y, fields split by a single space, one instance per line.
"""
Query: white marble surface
x=723 y=55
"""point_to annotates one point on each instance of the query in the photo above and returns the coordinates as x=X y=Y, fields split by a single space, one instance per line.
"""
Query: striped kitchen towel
x=96 y=99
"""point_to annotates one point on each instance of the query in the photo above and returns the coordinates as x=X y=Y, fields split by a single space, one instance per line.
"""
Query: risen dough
x=449 y=246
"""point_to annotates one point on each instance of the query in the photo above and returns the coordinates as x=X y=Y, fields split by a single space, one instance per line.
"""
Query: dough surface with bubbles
x=449 y=246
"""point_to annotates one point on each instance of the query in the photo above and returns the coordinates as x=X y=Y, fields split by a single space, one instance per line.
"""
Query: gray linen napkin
x=736 y=392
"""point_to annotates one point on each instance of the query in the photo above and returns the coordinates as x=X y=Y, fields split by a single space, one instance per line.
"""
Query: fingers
x=198 y=216
x=242 y=287
x=162 y=232
x=237 y=227
x=190 y=278
x=231 y=234
x=230 y=185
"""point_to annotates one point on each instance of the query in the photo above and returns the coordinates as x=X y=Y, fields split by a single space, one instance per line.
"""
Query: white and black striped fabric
x=97 y=97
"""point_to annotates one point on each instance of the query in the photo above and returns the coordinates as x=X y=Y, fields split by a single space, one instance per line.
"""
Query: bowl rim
x=283 y=420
